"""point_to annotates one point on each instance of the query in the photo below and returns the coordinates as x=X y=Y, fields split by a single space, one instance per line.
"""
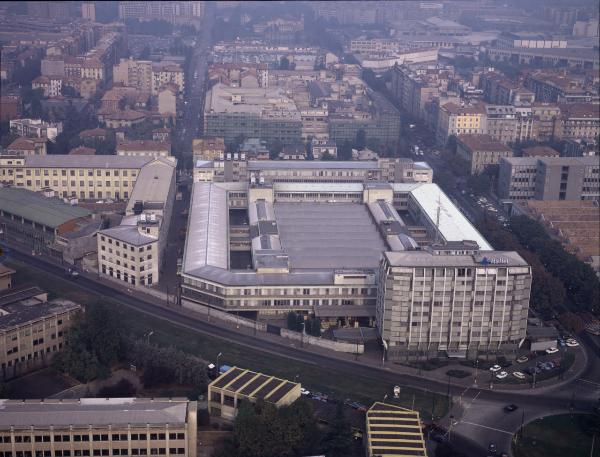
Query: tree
x=361 y=139
x=338 y=440
x=69 y=91
x=451 y=144
x=345 y=151
x=284 y=63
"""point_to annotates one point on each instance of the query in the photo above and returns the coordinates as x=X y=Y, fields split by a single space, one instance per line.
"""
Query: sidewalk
x=372 y=359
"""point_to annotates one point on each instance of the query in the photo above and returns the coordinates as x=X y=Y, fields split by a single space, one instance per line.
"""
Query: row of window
x=46 y=172
x=94 y=452
x=94 y=437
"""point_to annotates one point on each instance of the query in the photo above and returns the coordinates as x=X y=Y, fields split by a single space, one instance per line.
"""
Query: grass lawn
x=557 y=436
x=315 y=378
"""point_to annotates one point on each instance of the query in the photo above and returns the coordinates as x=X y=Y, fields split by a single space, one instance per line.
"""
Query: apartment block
x=549 y=178
x=209 y=148
x=167 y=74
x=32 y=329
x=580 y=121
x=36 y=128
x=99 y=427
x=172 y=11
x=133 y=251
x=546 y=119
x=27 y=146
x=144 y=148
x=134 y=73
x=481 y=151
x=456 y=120
x=236 y=385
x=501 y=123
x=452 y=299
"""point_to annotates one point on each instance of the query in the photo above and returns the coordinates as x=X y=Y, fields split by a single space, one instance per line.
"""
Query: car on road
x=519 y=375
x=492 y=448
x=510 y=408
x=495 y=368
x=571 y=343
x=551 y=350
x=305 y=392
x=71 y=273
x=522 y=359
x=502 y=375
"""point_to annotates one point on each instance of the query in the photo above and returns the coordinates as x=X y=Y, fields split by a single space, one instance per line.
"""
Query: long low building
x=99 y=426
x=332 y=249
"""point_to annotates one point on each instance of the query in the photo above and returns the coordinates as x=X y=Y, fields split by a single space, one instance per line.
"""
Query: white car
x=495 y=368
x=571 y=343
x=552 y=350
x=519 y=375
x=502 y=375
x=303 y=391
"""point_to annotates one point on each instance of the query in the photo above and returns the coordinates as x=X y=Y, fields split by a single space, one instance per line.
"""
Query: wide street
x=477 y=411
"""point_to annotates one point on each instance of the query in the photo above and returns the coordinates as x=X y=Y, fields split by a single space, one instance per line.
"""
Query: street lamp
x=218 y=366
x=148 y=335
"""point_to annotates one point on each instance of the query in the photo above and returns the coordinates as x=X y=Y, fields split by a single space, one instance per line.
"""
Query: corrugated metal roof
x=97 y=161
x=51 y=212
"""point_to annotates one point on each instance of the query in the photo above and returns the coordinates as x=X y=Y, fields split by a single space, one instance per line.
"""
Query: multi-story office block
x=453 y=299
x=133 y=251
x=32 y=329
x=549 y=178
x=99 y=426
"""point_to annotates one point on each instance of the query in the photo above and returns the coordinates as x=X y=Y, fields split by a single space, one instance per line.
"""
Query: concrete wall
x=337 y=346
x=220 y=315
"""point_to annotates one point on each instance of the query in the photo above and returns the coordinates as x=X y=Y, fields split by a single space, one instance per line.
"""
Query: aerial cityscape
x=300 y=228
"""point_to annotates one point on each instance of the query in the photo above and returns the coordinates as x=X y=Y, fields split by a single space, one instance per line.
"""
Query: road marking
x=489 y=428
x=589 y=382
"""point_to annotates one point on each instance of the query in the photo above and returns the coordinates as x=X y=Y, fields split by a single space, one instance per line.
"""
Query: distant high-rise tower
x=88 y=11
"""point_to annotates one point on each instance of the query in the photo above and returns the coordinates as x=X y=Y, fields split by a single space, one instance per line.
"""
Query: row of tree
x=262 y=430
x=297 y=323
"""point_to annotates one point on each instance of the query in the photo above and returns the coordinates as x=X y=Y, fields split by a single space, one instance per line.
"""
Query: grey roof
x=29 y=309
x=325 y=236
x=153 y=183
x=92 y=411
x=427 y=259
x=51 y=212
x=77 y=161
x=341 y=187
x=311 y=164
x=206 y=241
x=129 y=234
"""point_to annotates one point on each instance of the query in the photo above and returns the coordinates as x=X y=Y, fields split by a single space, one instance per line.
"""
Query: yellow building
x=393 y=431
x=457 y=120
x=226 y=393
x=99 y=427
x=84 y=177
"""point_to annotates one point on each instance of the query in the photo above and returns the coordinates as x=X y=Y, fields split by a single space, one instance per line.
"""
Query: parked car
x=519 y=375
x=492 y=448
x=305 y=392
x=551 y=350
x=510 y=408
x=502 y=375
x=522 y=359
x=495 y=368
x=572 y=343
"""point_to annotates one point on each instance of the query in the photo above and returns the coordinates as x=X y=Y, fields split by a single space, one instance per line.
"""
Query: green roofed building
x=35 y=219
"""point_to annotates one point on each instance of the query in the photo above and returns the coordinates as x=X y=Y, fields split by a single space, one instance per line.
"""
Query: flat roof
x=393 y=430
x=312 y=164
x=96 y=411
x=253 y=385
x=29 y=309
x=426 y=259
x=453 y=225
x=95 y=161
x=51 y=212
x=325 y=236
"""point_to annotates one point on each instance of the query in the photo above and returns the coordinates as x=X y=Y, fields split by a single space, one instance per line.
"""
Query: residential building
x=147 y=148
x=393 y=431
x=527 y=125
x=560 y=87
x=167 y=100
x=579 y=121
x=36 y=128
x=546 y=118
x=580 y=148
x=293 y=152
x=540 y=151
x=237 y=385
x=133 y=251
x=500 y=123
x=32 y=329
x=82 y=151
x=93 y=134
x=27 y=146
x=431 y=301
x=164 y=74
x=549 y=178
x=481 y=151
x=589 y=28
x=6 y=277
x=50 y=85
x=323 y=148
x=100 y=426
x=210 y=148
x=88 y=11
x=161 y=134
x=456 y=120
x=10 y=107
x=134 y=73
x=413 y=89
x=172 y=11
x=123 y=119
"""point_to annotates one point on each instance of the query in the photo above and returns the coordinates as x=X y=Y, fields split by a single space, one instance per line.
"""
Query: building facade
x=481 y=151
